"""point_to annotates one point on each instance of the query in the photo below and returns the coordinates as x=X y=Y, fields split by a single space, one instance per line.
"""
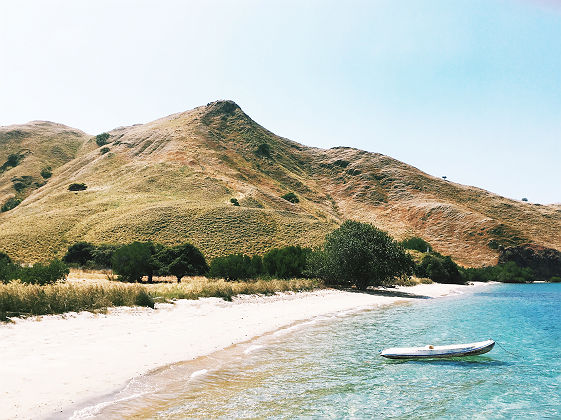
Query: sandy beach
x=52 y=363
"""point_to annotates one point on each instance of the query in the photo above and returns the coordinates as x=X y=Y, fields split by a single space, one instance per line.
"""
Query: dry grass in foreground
x=18 y=299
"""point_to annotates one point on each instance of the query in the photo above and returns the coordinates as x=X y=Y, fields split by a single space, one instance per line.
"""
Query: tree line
x=354 y=255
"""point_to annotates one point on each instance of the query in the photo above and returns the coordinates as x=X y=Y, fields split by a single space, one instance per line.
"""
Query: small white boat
x=429 y=351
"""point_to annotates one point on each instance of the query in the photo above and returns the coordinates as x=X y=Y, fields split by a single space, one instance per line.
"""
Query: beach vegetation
x=358 y=254
x=182 y=260
x=20 y=299
x=286 y=262
x=440 y=269
x=417 y=244
x=133 y=261
x=509 y=272
x=555 y=279
x=79 y=253
x=233 y=267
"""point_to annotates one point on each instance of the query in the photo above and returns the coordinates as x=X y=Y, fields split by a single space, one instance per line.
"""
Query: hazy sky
x=470 y=89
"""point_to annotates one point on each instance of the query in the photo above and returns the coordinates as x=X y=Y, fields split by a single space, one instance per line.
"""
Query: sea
x=329 y=367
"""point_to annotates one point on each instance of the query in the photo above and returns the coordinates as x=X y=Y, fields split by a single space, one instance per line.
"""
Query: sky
x=467 y=89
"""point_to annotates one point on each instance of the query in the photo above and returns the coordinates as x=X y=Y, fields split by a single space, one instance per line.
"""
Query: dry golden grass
x=91 y=291
x=171 y=181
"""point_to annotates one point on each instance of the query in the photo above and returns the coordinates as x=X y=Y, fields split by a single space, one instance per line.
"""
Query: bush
x=77 y=187
x=361 y=255
x=182 y=260
x=132 y=262
x=101 y=139
x=555 y=279
x=142 y=298
x=79 y=253
x=104 y=150
x=263 y=150
x=102 y=255
x=291 y=197
x=22 y=182
x=234 y=267
x=417 y=244
x=439 y=269
x=509 y=272
x=234 y=201
x=10 y=204
x=46 y=172
x=13 y=160
x=8 y=270
x=287 y=262
x=42 y=274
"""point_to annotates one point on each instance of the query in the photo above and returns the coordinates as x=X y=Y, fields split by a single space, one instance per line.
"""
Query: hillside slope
x=171 y=180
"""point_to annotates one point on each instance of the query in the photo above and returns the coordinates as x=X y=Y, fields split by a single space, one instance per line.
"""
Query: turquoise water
x=329 y=367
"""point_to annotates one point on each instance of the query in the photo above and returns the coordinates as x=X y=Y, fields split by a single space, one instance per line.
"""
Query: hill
x=171 y=180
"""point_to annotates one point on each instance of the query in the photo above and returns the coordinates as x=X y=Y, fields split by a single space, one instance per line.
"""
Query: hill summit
x=214 y=177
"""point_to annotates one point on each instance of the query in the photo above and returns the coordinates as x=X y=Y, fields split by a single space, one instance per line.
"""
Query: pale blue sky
x=470 y=89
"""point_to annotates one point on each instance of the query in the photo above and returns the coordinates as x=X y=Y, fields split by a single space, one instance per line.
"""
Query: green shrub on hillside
x=417 y=244
x=46 y=172
x=14 y=159
x=77 y=187
x=22 y=182
x=104 y=150
x=361 y=255
x=10 y=204
x=101 y=139
x=234 y=201
x=263 y=150
x=291 y=197
x=287 y=262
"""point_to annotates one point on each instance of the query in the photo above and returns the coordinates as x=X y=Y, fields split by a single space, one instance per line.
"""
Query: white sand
x=50 y=363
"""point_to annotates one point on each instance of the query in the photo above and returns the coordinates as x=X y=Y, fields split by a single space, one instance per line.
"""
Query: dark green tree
x=182 y=260
x=286 y=262
x=416 y=243
x=101 y=139
x=79 y=253
x=133 y=261
x=103 y=254
x=361 y=255
x=231 y=267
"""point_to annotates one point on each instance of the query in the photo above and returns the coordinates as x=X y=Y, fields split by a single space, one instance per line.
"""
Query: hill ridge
x=172 y=179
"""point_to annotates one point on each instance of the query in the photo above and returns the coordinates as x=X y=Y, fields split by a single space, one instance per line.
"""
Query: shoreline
x=55 y=363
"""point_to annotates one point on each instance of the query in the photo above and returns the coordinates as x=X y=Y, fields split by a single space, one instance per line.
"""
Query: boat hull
x=439 y=352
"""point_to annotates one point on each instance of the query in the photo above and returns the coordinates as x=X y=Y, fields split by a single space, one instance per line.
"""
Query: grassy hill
x=171 y=181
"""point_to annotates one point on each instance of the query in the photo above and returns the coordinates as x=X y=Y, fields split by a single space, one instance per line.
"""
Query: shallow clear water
x=329 y=367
